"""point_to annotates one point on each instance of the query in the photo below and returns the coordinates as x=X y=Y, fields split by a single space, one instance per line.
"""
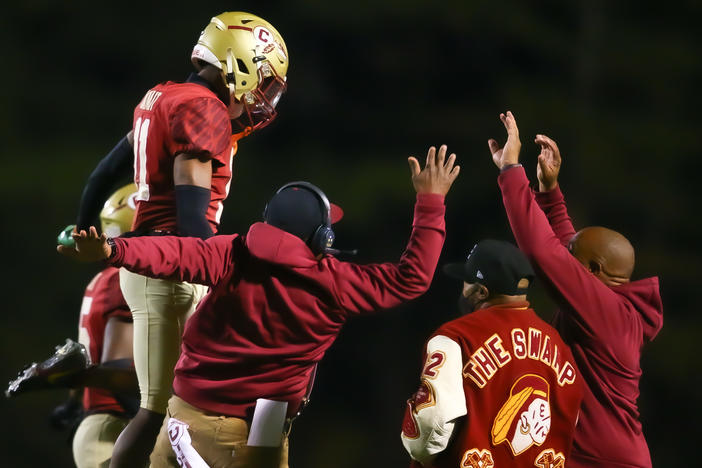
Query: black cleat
x=56 y=371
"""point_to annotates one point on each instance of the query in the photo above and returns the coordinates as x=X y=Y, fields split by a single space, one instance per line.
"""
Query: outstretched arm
x=589 y=300
x=181 y=258
x=366 y=288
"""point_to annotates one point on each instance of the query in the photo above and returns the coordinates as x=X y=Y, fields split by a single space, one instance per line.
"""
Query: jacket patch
x=475 y=458
x=525 y=418
x=550 y=459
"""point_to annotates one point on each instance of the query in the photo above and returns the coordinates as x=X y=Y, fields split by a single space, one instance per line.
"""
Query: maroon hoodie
x=606 y=327
x=274 y=309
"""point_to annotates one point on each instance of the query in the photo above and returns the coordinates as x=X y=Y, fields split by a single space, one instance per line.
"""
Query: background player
x=181 y=155
x=109 y=387
x=499 y=387
x=603 y=316
x=278 y=302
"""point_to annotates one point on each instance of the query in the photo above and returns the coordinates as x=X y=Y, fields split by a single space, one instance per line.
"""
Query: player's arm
x=201 y=133
x=192 y=176
x=366 y=288
x=432 y=413
x=111 y=170
x=179 y=258
x=116 y=371
x=549 y=197
x=589 y=299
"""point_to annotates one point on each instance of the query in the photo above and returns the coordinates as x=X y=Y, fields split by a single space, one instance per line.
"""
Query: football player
x=180 y=150
x=108 y=389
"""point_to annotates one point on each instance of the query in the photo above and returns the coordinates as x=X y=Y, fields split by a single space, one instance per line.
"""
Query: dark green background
x=615 y=83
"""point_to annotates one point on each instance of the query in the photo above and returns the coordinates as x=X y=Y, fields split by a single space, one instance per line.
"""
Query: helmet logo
x=262 y=35
x=266 y=41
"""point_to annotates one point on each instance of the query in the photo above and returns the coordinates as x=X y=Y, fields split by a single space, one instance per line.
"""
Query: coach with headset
x=278 y=300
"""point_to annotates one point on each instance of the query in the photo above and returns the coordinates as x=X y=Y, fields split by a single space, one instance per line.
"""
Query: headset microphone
x=341 y=252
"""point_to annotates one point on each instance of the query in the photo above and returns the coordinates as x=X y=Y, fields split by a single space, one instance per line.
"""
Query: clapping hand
x=549 y=163
x=509 y=154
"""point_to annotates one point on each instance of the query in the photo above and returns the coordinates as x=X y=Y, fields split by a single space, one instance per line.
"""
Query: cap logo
x=479 y=274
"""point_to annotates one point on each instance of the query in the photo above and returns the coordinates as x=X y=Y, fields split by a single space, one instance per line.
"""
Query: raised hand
x=438 y=173
x=90 y=247
x=510 y=153
x=549 y=163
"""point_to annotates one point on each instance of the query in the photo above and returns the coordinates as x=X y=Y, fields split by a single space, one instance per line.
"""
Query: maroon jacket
x=606 y=327
x=274 y=309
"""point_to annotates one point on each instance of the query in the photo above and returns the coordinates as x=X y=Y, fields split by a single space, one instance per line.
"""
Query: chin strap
x=231 y=80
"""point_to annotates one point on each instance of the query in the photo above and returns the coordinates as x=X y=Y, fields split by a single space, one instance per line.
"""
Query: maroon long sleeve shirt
x=606 y=327
x=274 y=309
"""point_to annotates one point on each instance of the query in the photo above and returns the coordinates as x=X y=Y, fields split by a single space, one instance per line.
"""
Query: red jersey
x=606 y=327
x=175 y=118
x=273 y=308
x=102 y=300
x=519 y=383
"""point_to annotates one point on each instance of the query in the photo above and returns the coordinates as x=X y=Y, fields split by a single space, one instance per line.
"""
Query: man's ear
x=483 y=292
x=595 y=267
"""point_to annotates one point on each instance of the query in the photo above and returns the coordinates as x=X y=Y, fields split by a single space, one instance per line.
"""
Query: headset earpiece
x=323 y=237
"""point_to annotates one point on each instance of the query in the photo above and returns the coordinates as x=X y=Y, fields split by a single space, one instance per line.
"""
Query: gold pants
x=219 y=440
x=159 y=309
x=95 y=439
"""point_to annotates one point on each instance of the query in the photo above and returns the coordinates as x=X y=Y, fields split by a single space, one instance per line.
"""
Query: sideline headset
x=322 y=239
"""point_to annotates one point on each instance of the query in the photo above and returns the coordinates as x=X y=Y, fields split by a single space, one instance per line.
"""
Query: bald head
x=606 y=253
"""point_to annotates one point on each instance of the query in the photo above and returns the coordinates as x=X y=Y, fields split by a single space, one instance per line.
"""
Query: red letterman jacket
x=521 y=389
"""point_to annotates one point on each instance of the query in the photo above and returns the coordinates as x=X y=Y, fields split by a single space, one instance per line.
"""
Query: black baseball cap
x=498 y=265
x=299 y=211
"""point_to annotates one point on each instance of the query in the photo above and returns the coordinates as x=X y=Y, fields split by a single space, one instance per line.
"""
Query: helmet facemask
x=259 y=103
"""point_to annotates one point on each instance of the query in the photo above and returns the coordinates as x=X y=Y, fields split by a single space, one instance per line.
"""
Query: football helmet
x=118 y=213
x=254 y=61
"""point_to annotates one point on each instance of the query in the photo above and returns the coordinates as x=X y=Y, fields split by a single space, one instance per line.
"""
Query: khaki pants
x=219 y=440
x=95 y=439
x=159 y=309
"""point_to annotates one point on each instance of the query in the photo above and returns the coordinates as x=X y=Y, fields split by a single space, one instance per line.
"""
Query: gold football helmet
x=254 y=61
x=118 y=213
